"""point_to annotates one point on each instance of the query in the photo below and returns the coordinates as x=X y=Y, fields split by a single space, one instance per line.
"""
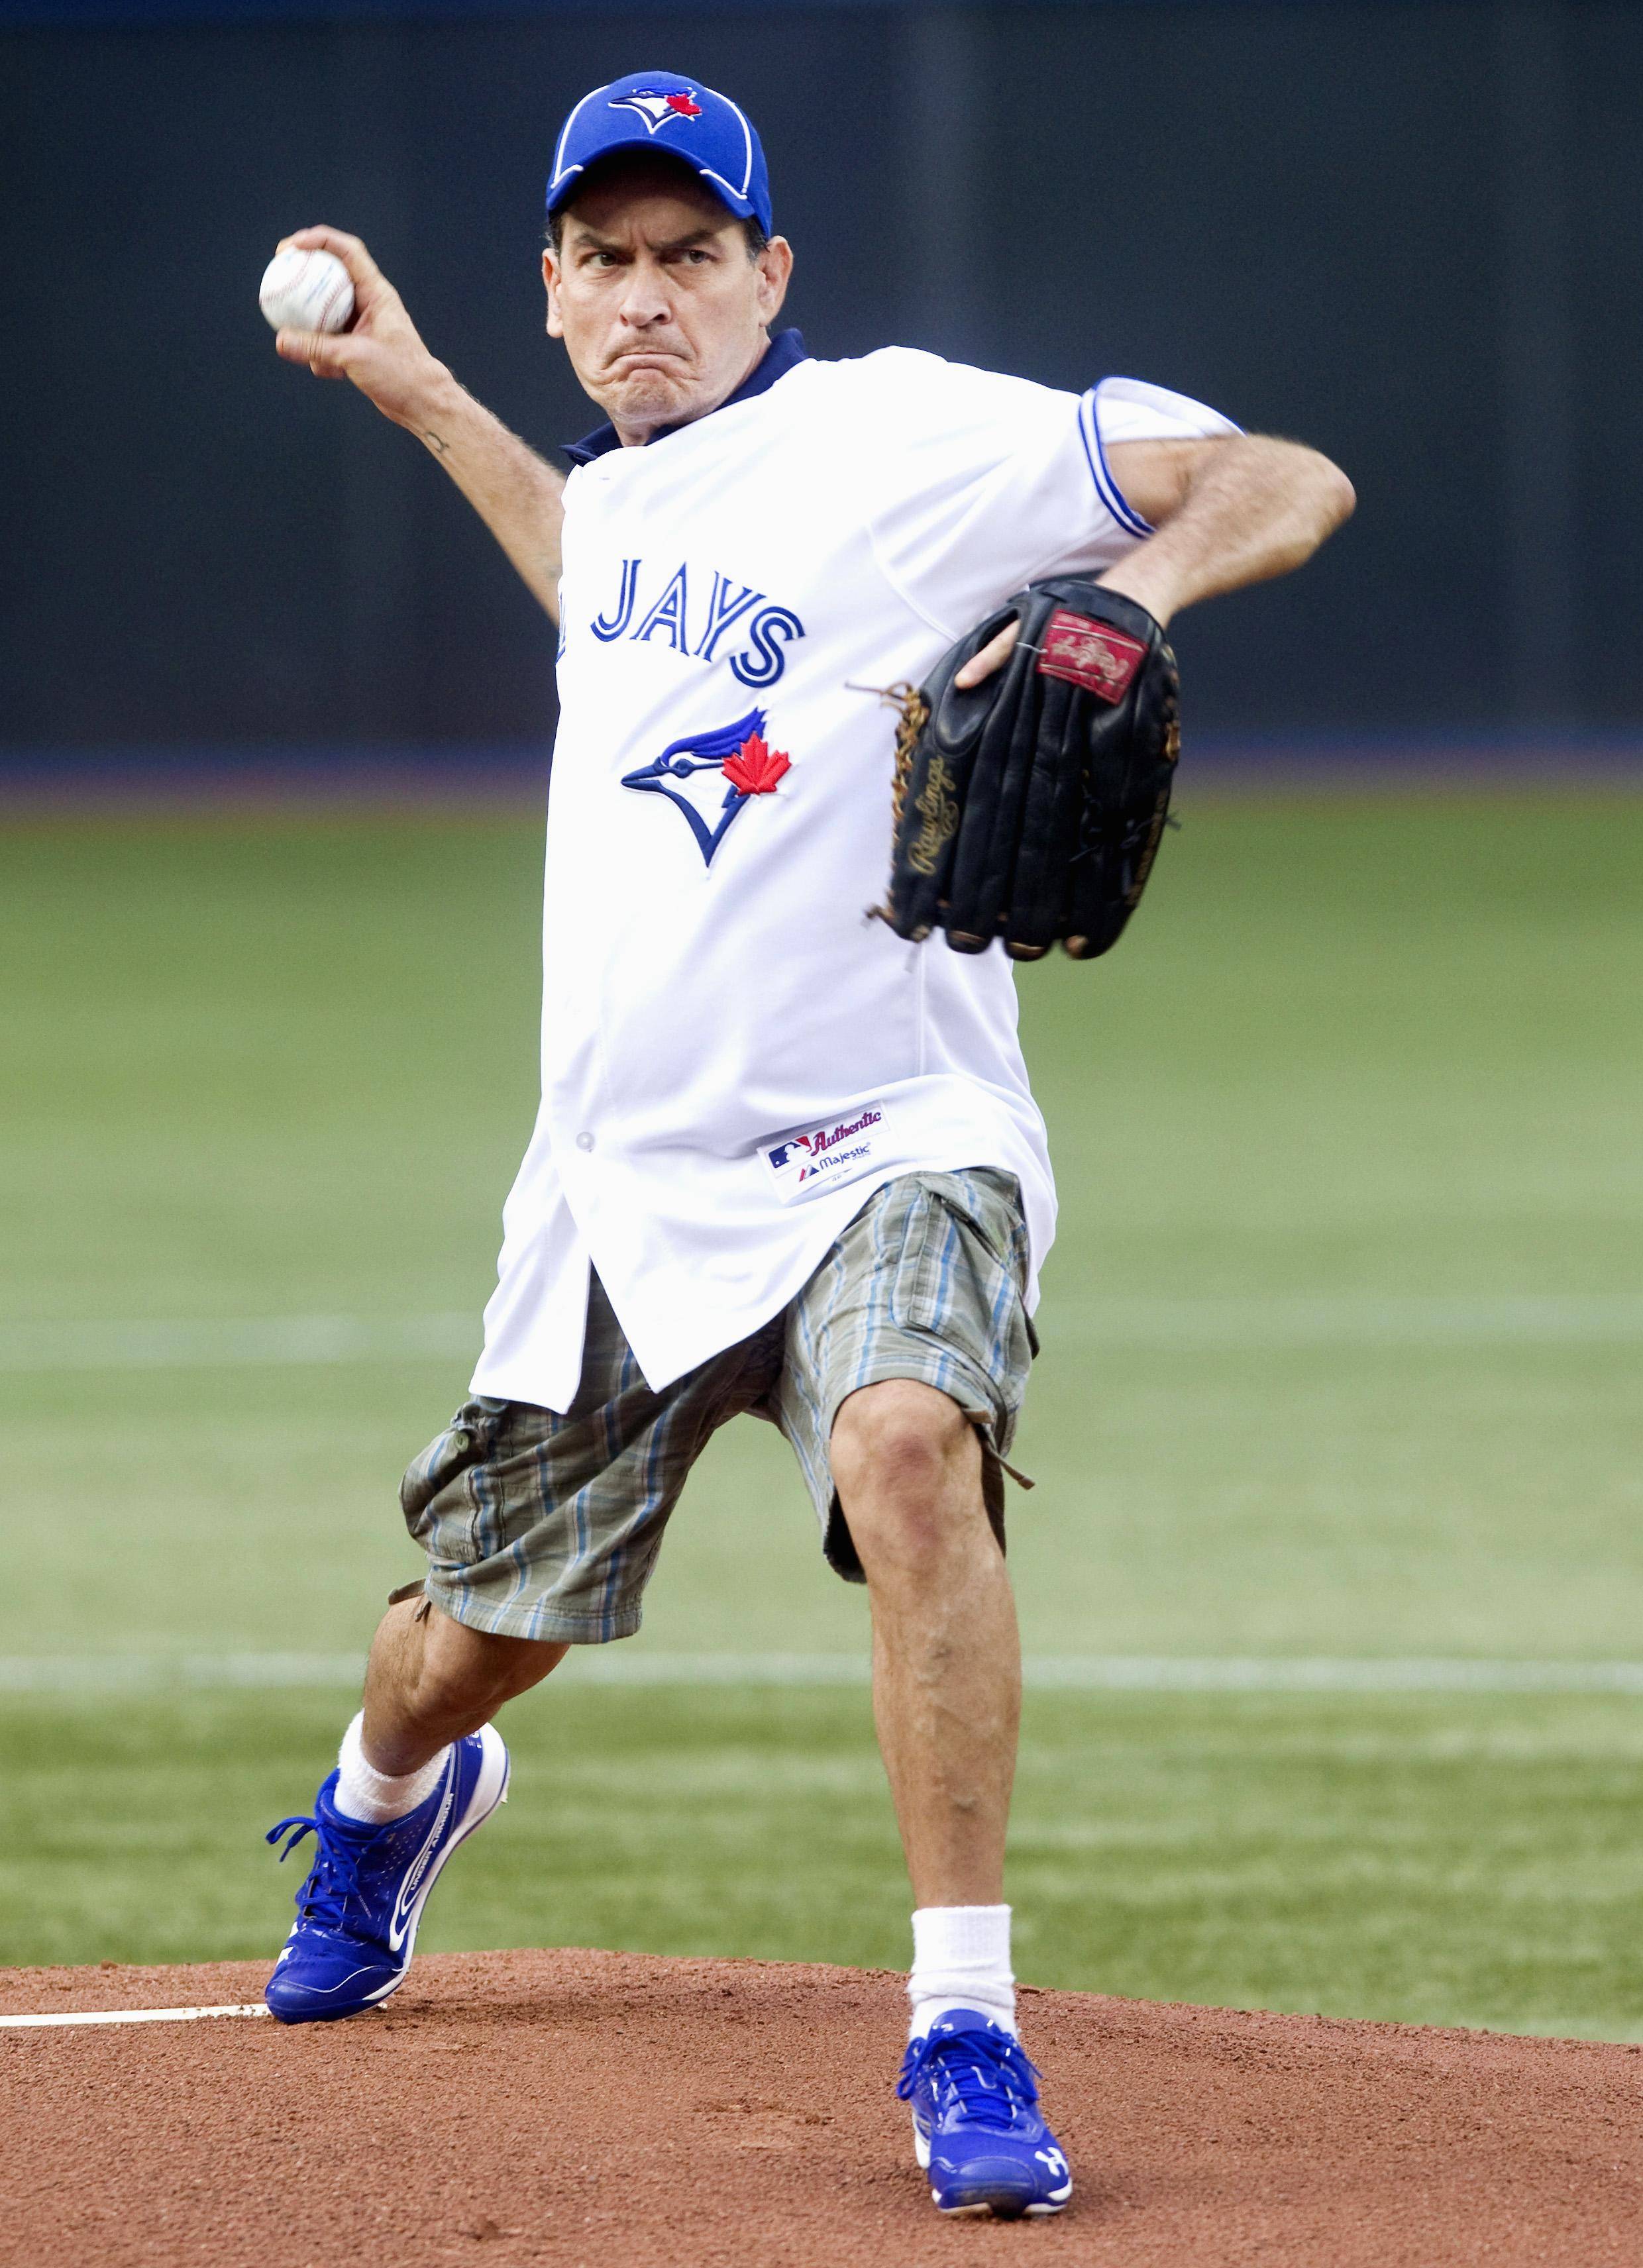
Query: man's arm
x=514 y=492
x=1226 y=512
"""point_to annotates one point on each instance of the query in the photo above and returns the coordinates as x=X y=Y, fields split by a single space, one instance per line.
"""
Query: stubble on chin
x=644 y=393
x=648 y=395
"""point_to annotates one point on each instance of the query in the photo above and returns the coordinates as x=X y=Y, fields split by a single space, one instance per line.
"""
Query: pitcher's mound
x=604 y=2106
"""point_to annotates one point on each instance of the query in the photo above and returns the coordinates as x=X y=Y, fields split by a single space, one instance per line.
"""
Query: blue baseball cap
x=659 y=110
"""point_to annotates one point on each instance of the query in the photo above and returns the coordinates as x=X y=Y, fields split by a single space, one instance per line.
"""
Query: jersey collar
x=784 y=349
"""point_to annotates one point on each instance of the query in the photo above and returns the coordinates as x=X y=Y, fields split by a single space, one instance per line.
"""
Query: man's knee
x=907 y=1465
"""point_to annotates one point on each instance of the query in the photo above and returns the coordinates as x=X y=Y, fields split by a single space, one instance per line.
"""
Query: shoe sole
x=490 y=1789
x=986 y=2209
x=995 y=2213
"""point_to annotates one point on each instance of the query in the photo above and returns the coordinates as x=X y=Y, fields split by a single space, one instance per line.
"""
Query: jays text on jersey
x=734 y=1055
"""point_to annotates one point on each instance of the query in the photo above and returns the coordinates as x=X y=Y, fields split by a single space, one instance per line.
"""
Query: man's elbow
x=1333 y=497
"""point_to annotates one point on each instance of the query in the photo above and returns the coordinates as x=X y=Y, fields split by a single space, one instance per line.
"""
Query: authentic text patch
x=836 y=1151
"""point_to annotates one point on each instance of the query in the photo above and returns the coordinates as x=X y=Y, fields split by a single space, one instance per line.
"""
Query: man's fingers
x=362 y=268
x=993 y=655
x=326 y=353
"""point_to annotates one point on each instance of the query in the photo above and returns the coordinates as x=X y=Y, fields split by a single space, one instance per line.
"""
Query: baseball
x=306 y=291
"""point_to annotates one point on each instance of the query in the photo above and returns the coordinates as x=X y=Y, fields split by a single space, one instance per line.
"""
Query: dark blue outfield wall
x=1411 y=233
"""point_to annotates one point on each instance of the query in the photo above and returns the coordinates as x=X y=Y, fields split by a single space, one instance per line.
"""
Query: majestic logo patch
x=657 y=109
x=1089 y=654
x=839 y=1150
x=736 y=755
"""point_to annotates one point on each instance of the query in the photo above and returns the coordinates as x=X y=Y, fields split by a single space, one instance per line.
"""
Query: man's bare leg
x=946 y=1661
x=946 y=1690
x=431 y=1680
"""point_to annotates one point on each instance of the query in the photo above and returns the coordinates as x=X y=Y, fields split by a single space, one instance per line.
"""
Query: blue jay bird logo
x=739 y=753
x=657 y=109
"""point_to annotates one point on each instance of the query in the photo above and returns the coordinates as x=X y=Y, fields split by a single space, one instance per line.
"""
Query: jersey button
x=585 y=1140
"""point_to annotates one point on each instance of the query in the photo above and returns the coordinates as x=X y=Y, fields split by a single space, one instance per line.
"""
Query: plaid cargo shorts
x=545 y=1526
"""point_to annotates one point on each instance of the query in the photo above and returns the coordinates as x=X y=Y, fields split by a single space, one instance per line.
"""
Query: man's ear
x=775 y=265
x=550 y=278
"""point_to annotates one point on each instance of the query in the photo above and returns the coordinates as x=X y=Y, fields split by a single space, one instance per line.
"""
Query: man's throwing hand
x=381 y=351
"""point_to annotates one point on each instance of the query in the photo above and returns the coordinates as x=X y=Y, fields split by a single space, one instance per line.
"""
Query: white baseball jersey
x=734 y=1056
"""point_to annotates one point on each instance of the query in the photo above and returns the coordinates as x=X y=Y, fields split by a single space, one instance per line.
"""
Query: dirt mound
x=608 y=2107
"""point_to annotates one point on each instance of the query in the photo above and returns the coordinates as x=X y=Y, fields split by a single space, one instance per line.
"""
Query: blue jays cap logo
x=738 y=753
x=713 y=137
x=657 y=109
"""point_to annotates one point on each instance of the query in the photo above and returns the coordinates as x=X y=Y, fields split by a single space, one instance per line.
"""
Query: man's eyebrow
x=591 y=241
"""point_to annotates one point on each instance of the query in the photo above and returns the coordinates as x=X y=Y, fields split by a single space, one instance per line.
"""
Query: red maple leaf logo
x=755 y=768
x=685 y=105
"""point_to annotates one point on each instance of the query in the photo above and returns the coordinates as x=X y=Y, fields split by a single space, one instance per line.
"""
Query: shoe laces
x=333 y=1877
x=985 y=2076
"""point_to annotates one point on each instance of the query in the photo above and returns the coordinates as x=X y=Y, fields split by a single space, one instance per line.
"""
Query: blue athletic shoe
x=357 y=1913
x=976 y=2122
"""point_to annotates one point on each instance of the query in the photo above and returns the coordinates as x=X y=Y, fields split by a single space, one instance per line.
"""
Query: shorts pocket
x=920 y=1278
x=958 y=1281
x=437 y=1495
x=988 y=1204
x=950 y=1281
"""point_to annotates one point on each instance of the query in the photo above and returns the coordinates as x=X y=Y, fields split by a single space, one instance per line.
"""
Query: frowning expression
x=661 y=305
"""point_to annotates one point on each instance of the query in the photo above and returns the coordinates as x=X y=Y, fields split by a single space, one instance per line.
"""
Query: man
x=785 y=1163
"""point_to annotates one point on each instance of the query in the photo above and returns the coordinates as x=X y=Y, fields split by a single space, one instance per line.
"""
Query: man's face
x=662 y=312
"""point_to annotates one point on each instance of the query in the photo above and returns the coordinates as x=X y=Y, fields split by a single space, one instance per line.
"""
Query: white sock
x=364 y=1793
x=961 y=1960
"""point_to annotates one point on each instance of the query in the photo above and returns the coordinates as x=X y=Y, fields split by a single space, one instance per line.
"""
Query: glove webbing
x=912 y=715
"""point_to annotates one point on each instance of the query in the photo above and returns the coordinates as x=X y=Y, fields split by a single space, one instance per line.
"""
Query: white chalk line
x=68 y=1675
x=1232 y=1323
x=127 y=2016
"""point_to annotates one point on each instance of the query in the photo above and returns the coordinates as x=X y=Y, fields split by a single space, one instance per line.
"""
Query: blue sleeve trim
x=1106 y=488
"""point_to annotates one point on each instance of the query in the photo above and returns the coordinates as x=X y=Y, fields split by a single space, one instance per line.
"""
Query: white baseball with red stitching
x=306 y=291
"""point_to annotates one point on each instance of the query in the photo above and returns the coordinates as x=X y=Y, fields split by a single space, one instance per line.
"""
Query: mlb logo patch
x=835 y=1153
x=1084 y=653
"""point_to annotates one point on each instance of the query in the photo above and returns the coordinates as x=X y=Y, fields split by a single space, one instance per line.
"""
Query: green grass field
x=1341 y=1348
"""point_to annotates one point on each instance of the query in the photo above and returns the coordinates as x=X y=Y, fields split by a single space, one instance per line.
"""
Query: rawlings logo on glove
x=1085 y=654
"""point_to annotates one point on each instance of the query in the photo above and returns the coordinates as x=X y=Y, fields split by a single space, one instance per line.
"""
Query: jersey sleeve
x=982 y=483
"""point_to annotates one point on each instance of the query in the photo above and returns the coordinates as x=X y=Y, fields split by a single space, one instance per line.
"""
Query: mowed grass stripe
x=210 y=1343
x=115 y=1673
x=1287 y=1320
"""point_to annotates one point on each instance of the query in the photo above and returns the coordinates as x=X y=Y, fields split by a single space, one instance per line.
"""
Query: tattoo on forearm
x=433 y=441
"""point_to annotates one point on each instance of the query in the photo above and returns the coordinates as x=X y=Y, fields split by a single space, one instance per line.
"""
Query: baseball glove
x=1030 y=808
